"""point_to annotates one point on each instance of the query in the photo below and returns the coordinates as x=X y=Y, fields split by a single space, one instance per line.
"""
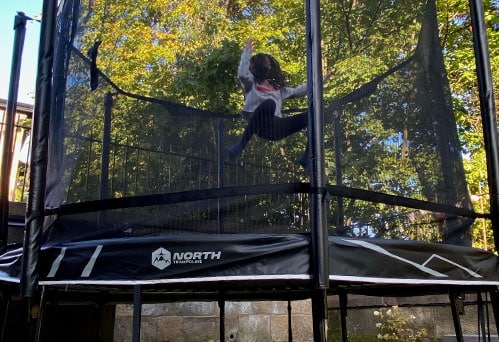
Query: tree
x=459 y=57
x=187 y=52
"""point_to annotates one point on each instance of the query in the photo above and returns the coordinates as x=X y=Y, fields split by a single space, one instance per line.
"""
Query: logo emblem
x=161 y=258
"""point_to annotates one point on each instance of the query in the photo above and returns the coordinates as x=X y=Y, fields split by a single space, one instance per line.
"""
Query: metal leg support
x=221 y=306
x=343 y=315
x=137 y=312
x=456 y=303
x=494 y=300
x=319 y=315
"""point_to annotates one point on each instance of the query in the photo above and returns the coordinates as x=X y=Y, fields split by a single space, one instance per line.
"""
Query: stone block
x=169 y=328
x=279 y=328
x=303 y=329
x=200 y=329
x=124 y=310
x=239 y=308
x=302 y=307
x=254 y=328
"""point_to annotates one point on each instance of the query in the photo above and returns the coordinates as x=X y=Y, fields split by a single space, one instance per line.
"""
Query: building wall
x=19 y=148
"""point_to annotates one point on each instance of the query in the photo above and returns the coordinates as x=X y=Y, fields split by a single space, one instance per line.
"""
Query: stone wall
x=199 y=321
x=268 y=321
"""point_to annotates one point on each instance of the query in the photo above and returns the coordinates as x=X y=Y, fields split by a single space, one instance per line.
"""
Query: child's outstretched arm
x=243 y=73
x=301 y=90
x=327 y=76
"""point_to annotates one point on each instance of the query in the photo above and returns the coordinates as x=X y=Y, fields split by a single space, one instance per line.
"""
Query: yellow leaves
x=146 y=36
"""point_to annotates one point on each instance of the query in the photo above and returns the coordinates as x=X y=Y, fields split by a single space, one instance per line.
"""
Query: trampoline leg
x=290 y=328
x=221 y=306
x=319 y=315
x=33 y=321
x=137 y=312
x=35 y=313
x=4 y=310
x=343 y=316
x=456 y=304
x=481 y=317
x=102 y=315
x=494 y=300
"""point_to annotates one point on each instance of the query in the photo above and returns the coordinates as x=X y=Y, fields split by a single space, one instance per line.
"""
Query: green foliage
x=456 y=32
x=207 y=78
x=393 y=325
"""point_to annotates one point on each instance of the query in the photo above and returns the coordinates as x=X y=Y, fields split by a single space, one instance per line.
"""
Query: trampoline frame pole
x=137 y=312
x=494 y=301
x=456 y=301
x=221 y=323
x=487 y=109
x=39 y=151
x=318 y=226
x=343 y=297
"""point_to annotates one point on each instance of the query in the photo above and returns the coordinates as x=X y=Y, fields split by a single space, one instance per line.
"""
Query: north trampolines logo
x=162 y=258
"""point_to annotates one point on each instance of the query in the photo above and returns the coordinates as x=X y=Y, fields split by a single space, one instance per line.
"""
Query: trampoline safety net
x=140 y=146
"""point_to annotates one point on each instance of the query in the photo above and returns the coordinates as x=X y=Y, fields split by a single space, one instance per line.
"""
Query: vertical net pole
x=105 y=156
x=220 y=173
x=320 y=264
x=316 y=141
x=487 y=109
x=20 y=32
x=39 y=148
x=106 y=147
x=340 y=221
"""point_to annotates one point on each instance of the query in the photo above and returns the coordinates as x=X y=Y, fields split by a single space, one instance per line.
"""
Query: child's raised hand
x=250 y=44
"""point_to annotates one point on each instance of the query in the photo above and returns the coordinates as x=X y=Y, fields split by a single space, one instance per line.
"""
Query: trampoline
x=134 y=195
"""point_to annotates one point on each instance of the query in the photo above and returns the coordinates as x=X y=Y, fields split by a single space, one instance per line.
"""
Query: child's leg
x=260 y=123
x=238 y=147
x=268 y=126
x=293 y=124
x=303 y=161
x=283 y=127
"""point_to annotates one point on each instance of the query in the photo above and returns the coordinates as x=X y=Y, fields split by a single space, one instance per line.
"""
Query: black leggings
x=268 y=126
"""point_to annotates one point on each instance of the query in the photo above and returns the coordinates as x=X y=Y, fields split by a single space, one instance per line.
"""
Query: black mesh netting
x=123 y=164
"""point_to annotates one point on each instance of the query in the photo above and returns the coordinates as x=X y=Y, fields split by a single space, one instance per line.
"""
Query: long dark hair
x=265 y=67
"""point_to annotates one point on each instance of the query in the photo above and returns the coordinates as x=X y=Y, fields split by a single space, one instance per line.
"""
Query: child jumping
x=264 y=87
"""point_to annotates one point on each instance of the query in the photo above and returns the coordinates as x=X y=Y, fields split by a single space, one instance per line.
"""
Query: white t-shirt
x=255 y=94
